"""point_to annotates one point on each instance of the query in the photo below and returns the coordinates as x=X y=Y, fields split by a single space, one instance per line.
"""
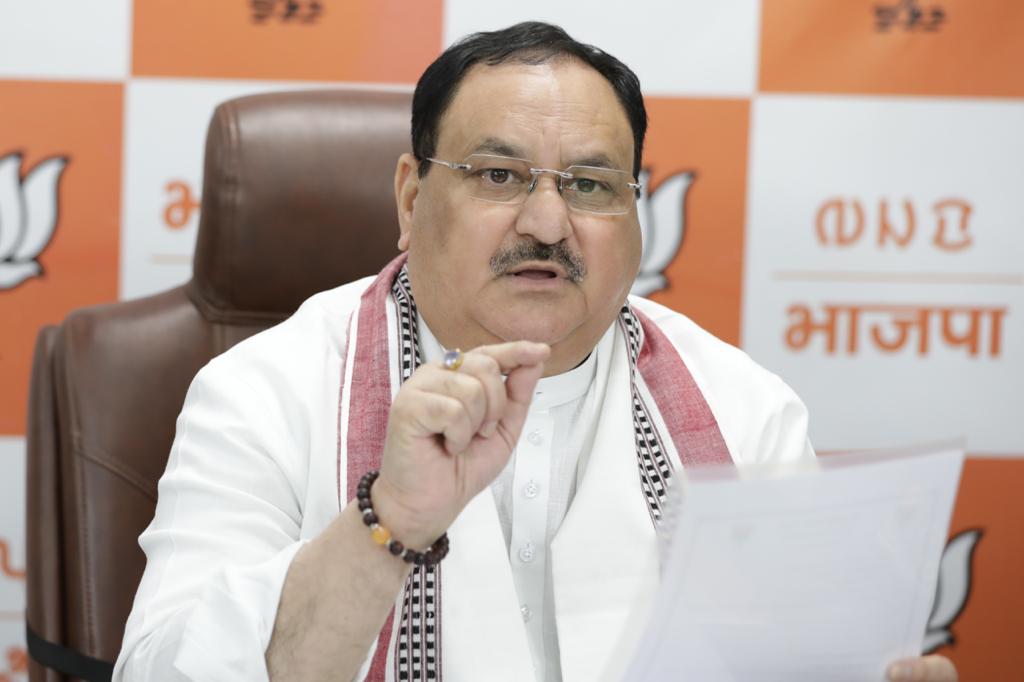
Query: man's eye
x=498 y=176
x=588 y=186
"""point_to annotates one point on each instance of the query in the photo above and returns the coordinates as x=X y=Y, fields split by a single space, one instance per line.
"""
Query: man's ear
x=407 y=186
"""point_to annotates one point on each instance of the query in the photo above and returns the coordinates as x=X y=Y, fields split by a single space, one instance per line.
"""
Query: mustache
x=505 y=260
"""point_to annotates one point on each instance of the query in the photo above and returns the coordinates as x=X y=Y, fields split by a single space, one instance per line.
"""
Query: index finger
x=515 y=354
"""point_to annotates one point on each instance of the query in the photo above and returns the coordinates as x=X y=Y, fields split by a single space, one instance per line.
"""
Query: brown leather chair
x=297 y=198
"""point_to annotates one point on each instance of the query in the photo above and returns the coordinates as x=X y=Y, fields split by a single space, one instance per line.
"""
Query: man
x=488 y=556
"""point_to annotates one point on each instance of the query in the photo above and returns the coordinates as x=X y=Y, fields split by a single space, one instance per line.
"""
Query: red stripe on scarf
x=680 y=402
x=369 y=403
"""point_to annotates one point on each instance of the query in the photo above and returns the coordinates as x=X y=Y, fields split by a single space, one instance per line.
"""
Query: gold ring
x=452 y=360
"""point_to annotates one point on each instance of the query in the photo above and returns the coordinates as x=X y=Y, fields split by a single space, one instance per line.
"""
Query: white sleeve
x=226 y=528
x=761 y=419
x=783 y=433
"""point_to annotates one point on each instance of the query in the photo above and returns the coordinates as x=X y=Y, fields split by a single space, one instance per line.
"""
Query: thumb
x=520 y=385
x=923 y=669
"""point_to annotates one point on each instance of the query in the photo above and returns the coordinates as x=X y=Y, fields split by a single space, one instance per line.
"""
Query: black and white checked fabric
x=655 y=470
x=418 y=650
x=408 y=333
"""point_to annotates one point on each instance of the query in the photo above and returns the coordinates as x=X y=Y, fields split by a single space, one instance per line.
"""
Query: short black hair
x=529 y=42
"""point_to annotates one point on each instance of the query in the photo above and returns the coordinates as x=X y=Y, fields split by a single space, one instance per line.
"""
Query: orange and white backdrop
x=834 y=185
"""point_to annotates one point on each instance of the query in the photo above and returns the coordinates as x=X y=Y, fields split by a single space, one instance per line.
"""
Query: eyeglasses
x=507 y=180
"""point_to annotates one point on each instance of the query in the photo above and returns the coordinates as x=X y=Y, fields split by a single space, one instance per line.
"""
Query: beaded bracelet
x=382 y=536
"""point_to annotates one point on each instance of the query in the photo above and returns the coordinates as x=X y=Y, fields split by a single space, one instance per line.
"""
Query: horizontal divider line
x=1009 y=279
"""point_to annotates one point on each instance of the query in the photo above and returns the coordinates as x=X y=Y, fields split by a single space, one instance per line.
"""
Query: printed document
x=822 y=570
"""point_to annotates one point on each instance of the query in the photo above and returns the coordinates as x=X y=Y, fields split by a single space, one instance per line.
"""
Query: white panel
x=676 y=48
x=13 y=656
x=12 y=553
x=65 y=39
x=165 y=135
x=914 y=154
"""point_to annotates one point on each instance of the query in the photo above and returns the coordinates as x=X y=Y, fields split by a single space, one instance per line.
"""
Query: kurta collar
x=565 y=387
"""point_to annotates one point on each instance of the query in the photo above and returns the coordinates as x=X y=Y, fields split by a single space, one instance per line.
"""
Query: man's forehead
x=509 y=109
x=499 y=147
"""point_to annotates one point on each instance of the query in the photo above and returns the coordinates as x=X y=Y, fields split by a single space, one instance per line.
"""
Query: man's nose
x=544 y=215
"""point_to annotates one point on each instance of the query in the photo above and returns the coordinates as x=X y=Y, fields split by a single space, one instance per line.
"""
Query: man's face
x=477 y=268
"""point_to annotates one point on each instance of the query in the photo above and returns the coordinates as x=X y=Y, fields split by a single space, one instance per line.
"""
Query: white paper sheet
x=824 y=570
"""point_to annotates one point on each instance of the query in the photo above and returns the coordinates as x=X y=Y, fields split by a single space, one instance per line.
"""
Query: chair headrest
x=298 y=197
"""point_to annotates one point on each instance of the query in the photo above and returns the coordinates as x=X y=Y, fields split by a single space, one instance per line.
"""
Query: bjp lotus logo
x=952 y=590
x=28 y=216
x=662 y=223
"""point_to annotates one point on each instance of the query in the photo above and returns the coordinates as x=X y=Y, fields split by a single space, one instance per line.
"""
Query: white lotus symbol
x=951 y=593
x=662 y=224
x=28 y=216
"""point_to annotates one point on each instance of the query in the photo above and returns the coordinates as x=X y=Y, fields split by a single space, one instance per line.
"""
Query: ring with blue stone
x=452 y=360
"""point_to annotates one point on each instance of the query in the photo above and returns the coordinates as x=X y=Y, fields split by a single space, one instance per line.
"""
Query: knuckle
x=490 y=365
x=440 y=409
x=453 y=382
x=477 y=393
x=465 y=426
x=466 y=387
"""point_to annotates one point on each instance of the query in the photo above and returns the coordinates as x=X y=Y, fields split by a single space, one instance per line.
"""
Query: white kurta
x=534 y=491
x=256 y=468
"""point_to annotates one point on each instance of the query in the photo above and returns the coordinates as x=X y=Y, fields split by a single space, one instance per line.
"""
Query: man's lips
x=535 y=274
x=538 y=271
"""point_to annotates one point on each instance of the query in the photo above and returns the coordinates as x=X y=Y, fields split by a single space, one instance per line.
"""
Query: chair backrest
x=297 y=198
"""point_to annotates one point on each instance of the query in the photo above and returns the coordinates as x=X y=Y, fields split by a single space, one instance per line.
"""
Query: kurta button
x=527 y=613
x=526 y=553
x=531 y=489
x=535 y=438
